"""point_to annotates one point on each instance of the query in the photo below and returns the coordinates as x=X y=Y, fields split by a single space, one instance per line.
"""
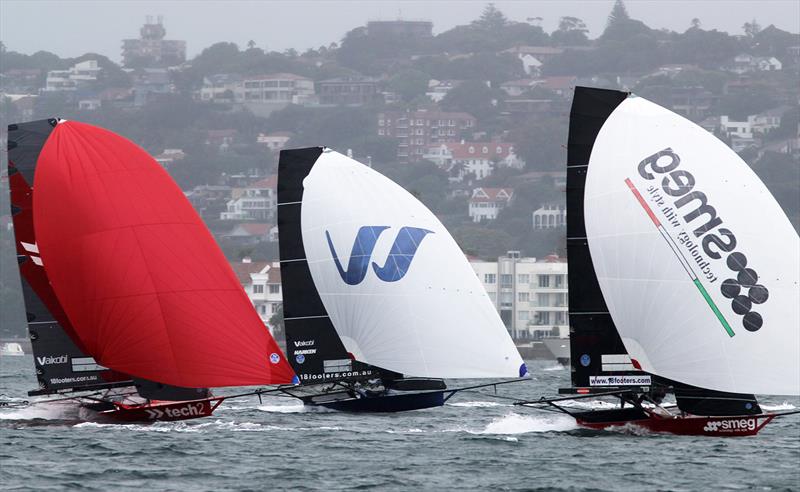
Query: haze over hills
x=472 y=119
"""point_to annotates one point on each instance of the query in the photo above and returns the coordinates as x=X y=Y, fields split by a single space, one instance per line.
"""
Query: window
x=380 y=131
x=275 y=307
x=506 y=279
x=380 y=122
x=523 y=315
x=542 y=299
x=524 y=296
x=542 y=318
x=489 y=278
x=544 y=281
x=258 y=289
x=274 y=288
x=559 y=281
x=523 y=278
x=263 y=308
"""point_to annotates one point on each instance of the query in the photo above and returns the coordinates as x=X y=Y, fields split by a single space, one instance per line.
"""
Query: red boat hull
x=692 y=425
x=159 y=411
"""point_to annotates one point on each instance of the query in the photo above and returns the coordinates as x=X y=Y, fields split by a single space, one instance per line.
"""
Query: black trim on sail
x=592 y=330
x=315 y=350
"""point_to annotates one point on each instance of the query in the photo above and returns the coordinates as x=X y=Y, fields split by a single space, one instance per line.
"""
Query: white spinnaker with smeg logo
x=435 y=321
x=674 y=326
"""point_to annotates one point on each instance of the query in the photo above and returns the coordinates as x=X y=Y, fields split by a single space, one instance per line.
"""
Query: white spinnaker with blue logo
x=664 y=290
x=430 y=317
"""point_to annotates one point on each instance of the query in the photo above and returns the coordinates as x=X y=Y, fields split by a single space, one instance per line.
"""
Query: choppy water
x=474 y=442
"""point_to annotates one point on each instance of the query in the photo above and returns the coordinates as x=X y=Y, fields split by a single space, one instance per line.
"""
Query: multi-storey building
x=472 y=159
x=275 y=88
x=416 y=131
x=151 y=47
x=530 y=295
x=550 y=216
x=73 y=78
x=348 y=91
x=255 y=202
x=261 y=281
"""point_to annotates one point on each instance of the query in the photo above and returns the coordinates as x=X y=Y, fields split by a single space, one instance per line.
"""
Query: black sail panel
x=314 y=348
x=592 y=331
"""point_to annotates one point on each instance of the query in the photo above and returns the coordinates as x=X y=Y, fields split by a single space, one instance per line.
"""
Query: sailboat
x=133 y=311
x=683 y=275
x=379 y=303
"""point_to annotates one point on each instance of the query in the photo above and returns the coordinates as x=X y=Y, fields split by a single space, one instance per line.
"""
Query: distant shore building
x=255 y=202
x=151 y=48
x=550 y=216
x=486 y=203
x=416 y=131
x=472 y=159
x=348 y=91
x=73 y=78
x=530 y=295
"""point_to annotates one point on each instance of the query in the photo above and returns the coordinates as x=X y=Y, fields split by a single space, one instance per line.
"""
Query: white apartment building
x=530 y=295
x=72 y=78
x=262 y=283
x=255 y=202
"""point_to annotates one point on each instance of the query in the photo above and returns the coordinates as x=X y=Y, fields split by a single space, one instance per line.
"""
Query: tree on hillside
x=751 y=28
x=621 y=27
x=409 y=84
x=491 y=19
x=473 y=97
x=571 y=32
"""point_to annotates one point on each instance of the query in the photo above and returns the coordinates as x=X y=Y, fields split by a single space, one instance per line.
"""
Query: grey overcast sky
x=71 y=28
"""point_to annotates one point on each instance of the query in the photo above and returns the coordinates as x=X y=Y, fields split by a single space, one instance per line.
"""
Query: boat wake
x=43 y=411
x=477 y=404
x=558 y=367
x=777 y=408
x=514 y=423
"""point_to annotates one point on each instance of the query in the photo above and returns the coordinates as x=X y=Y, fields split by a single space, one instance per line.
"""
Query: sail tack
x=399 y=291
x=698 y=264
x=139 y=276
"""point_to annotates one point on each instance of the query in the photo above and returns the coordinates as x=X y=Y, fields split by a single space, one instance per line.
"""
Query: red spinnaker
x=139 y=276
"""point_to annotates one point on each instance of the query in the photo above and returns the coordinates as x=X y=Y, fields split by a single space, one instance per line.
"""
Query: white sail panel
x=399 y=291
x=696 y=260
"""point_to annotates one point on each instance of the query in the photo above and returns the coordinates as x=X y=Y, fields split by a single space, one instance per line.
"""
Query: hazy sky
x=71 y=28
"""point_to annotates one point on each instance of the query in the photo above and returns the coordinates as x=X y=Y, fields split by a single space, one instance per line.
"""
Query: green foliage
x=541 y=144
x=781 y=174
x=756 y=99
x=482 y=242
x=472 y=97
x=409 y=84
x=481 y=66
x=571 y=32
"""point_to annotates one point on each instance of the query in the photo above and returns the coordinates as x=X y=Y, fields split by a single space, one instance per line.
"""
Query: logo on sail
x=715 y=240
x=396 y=265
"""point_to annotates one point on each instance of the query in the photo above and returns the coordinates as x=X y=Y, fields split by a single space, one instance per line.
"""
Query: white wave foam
x=477 y=404
x=559 y=367
x=778 y=408
x=284 y=408
x=43 y=411
x=514 y=423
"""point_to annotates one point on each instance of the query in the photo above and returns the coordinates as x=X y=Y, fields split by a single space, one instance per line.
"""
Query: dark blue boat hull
x=389 y=403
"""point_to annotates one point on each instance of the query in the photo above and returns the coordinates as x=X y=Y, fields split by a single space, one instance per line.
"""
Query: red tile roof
x=270 y=182
x=473 y=150
x=243 y=270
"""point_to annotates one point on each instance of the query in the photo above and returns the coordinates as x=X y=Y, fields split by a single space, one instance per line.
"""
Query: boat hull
x=159 y=411
x=691 y=425
x=385 y=403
